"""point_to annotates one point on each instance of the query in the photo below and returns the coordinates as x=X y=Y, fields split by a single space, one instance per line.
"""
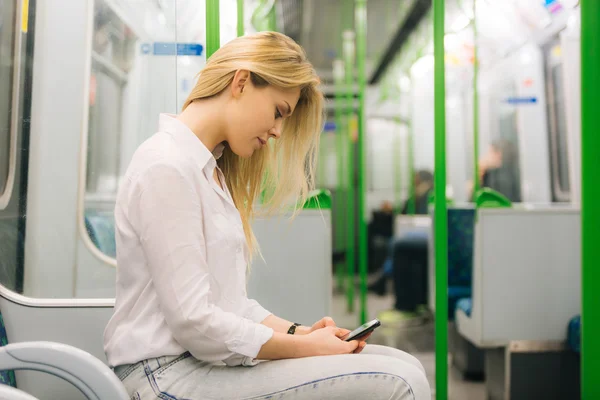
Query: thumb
x=328 y=321
x=353 y=345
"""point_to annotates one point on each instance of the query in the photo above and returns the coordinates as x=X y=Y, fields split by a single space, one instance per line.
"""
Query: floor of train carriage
x=417 y=340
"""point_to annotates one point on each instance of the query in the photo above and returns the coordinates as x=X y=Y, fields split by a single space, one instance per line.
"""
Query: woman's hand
x=329 y=322
x=326 y=341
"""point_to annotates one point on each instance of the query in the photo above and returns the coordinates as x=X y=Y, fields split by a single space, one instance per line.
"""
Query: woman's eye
x=277 y=113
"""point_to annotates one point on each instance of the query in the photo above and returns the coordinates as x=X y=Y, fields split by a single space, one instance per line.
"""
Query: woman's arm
x=280 y=325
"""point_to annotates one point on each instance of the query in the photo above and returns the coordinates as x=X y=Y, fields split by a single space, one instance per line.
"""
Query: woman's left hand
x=328 y=321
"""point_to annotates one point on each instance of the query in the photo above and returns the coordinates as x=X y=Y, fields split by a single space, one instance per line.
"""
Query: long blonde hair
x=282 y=171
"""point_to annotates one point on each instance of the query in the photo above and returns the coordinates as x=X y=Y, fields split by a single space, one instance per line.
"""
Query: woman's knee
x=394 y=353
x=408 y=380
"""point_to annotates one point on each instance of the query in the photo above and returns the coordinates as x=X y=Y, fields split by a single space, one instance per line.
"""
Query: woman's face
x=256 y=114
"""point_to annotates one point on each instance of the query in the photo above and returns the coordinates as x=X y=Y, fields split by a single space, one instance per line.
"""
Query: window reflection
x=113 y=53
x=7 y=43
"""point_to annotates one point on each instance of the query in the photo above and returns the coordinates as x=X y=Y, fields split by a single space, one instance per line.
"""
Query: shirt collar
x=188 y=141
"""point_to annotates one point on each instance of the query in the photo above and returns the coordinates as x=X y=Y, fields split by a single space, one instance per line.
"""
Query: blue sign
x=521 y=100
x=171 y=49
x=329 y=126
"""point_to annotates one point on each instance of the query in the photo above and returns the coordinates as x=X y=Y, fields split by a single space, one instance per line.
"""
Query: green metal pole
x=213 y=33
x=350 y=208
x=412 y=199
x=441 y=223
x=590 y=193
x=361 y=54
x=240 y=17
x=338 y=76
x=476 y=182
x=397 y=168
x=272 y=19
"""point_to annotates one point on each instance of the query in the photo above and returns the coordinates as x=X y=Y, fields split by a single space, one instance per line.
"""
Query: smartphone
x=362 y=330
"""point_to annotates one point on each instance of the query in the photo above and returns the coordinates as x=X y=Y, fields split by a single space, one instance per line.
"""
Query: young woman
x=183 y=327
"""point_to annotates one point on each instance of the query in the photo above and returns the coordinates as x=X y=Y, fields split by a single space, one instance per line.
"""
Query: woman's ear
x=241 y=80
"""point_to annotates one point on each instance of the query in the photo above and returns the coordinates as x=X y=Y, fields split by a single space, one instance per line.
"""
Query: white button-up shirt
x=182 y=259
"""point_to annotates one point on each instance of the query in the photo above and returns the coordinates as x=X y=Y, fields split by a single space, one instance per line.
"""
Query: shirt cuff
x=252 y=338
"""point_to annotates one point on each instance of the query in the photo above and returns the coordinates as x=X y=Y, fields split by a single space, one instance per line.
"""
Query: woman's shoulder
x=157 y=154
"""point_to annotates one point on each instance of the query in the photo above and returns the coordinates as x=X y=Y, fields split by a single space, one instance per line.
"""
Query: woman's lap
x=378 y=372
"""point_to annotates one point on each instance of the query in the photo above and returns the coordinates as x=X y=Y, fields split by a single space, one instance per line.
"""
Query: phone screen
x=362 y=330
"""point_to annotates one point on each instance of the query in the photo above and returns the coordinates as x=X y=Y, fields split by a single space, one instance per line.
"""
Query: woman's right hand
x=326 y=341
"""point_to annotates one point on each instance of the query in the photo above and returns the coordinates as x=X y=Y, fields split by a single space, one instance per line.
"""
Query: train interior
x=83 y=83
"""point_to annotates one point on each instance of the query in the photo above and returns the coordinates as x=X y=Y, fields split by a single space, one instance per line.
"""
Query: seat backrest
x=100 y=227
x=461 y=223
x=6 y=377
x=90 y=375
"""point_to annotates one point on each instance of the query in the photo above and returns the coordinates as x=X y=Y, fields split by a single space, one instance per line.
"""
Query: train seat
x=460 y=256
x=84 y=371
x=526 y=276
x=100 y=226
x=574 y=334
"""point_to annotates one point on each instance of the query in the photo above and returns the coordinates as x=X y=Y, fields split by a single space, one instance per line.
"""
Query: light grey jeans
x=377 y=373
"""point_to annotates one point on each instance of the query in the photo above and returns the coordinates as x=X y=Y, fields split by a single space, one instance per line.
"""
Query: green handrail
x=350 y=207
x=361 y=55
x=240 y=17
x=412 y=192
x=338 y=76
x=213 y=33
x=318 y=199
x=397 y=168
x=590 y=193
x=441 y=211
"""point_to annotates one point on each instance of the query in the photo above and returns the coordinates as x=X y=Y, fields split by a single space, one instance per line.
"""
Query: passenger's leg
x=392 y=352
x=352 y=376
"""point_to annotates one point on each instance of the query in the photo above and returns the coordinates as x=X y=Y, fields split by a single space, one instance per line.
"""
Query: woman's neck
x=205 y=120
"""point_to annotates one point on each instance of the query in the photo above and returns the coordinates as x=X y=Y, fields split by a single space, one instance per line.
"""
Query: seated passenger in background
x=183 y=326
x=499 y=169
x=423 y=181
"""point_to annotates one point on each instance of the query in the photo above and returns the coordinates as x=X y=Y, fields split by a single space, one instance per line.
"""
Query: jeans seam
x=122 y=376
x=268 y=395
x=154 y=385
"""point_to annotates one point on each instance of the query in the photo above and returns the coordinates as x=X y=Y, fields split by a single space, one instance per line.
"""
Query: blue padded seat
x=100 y=227
x=574 y=334
x=461 y=223
x=465 y=304
x=6 y=377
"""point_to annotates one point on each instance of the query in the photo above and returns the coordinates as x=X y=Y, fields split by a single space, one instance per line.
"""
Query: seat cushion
x=574 y=334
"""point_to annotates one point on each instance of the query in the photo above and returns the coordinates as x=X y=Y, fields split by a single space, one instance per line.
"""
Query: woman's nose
x=275 y=131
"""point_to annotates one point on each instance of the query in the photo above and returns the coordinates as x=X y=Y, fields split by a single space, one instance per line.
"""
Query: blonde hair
x=282 y=171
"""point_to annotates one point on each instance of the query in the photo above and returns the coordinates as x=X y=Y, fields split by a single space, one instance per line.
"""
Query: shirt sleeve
x=171 y=230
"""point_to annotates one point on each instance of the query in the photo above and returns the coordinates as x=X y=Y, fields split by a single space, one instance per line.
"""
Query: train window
x=7 y=46
x=112 y=57
x=561 y=186
x=503 y=171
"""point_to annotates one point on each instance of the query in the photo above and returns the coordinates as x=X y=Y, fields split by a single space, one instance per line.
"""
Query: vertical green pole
x=441 y=223
x=361 y=54
x=213 y=33
x=240 y=17
x=476 y=182
x=351 y=224
x=590 y=193
x=397 y=167
x=338 y=76
x=412 y=193
x=272 y=19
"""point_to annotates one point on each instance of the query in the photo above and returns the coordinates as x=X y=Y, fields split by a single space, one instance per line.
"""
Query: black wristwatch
x=293 y=328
